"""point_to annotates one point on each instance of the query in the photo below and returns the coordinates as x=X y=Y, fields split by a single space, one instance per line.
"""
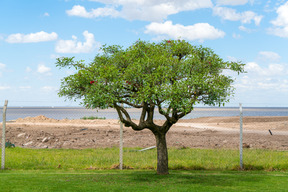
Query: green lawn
x=190 y=170
x=129 y=180
x=179 y=159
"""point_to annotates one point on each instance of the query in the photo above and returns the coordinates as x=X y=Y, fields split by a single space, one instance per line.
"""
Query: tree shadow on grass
x=205 y=178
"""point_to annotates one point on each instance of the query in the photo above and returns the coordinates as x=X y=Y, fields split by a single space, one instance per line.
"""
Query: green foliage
x=172 y=75
x=8 y=144
x=92 y=118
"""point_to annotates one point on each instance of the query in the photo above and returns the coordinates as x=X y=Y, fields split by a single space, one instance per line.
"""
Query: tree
x=171 y=77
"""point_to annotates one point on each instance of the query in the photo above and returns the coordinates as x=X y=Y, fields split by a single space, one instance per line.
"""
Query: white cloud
x=282 y=19
x=281 y=22
x=272 y=69
x=147 y=10
x=273 y=5
x=245 y=29
x=232 y=59
x=75 y=46
x=2 y=67
x=231 y=2
x=269 y=55
x=199 y=31
x=53 y=56
x=25 y=87
x=46 y=14
x=43 y=69
x=32 y=37
x=4 y=88
x=280 y=32
x=259 y=78
x=261 y=84
x=28 y=69
x=48 y=89
x=80 y=11
x=232 y=15
x=236 y=36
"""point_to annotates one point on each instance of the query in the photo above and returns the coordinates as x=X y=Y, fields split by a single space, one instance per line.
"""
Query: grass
x=92 y=118
x=190 y=170
x=129 y=180
x=179 y=159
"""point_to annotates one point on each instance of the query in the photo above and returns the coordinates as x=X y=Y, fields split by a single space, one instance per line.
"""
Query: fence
x=210 y=130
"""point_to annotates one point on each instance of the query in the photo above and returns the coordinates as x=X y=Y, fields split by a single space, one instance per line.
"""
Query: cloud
x=43 y=69
x=148 y=10
x=54 y=56
x=48 y=89
x=245 y=29
x=25 y=87
x=231 y=15
x=236 y=36
x=4 y=88
x=2 y=67
x=269 y=55
x=280 y=27
x=28 y=69
x=32 y=37
x=260 y=84
x=80 y=11
x=282 y=19
x=280 y=32
x=75 y=46
x=199 y=31
x=46 y=14
x=259 y=78
x=233 y=2
x=272 y=69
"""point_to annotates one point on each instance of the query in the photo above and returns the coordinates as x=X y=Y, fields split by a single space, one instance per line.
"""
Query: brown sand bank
x=206 y=132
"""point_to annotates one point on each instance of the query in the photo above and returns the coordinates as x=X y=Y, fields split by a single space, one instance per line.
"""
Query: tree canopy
x=170 y=76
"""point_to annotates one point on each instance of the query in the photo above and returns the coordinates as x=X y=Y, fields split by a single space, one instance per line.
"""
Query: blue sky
x=34 y=33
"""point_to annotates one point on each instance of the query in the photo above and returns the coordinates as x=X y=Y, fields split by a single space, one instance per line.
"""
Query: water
x=77 y=112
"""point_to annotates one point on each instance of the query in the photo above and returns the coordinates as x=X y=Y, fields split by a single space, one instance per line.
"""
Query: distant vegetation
x=92 y=118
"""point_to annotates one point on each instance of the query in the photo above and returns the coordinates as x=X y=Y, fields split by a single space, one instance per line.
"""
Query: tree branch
x=151 y=113
x=143 y=113
x=127 y=122
x=131 y=104
x=162 y=112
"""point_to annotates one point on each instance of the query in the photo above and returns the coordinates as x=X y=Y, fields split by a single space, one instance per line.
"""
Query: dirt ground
x=207 y=132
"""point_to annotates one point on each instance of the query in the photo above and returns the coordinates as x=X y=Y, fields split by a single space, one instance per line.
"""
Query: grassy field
x=179 y=159
x=129 y=180
x=191 y=170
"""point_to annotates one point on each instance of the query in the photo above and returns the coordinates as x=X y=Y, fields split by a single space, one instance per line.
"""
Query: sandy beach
x=205 y=132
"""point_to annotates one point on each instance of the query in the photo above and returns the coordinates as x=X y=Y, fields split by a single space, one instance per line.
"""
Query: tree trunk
x=162 y=154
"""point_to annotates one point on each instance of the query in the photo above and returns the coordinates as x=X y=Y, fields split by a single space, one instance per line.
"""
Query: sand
x=206 y=132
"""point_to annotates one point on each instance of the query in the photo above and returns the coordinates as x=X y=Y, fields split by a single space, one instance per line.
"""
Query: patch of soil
x=208 y=132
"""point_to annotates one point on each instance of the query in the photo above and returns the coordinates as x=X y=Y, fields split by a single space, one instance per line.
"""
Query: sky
x=34 y=33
